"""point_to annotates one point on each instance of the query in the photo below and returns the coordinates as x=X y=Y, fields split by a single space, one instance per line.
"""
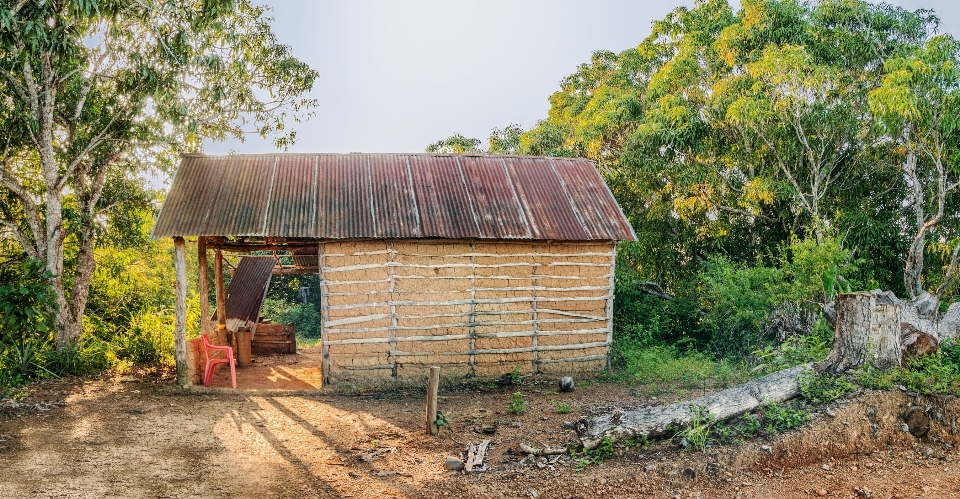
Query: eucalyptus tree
x=98 y=91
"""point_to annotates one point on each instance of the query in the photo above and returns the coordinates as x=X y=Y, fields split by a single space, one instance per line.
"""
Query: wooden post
x=221 y=294
x=432 y=386
x=204 y=292
x=324 y=317
x=180 y=329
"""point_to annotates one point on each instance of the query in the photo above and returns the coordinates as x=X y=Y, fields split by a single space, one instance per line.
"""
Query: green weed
x=824 y=388
x=517 y=404
x=561 y=407
x=695 y=436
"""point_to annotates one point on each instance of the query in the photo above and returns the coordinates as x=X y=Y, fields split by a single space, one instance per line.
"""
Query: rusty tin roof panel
x=351 y=196
x=292 y=209
x=247 y=287
x=547 y=207
x=345 y=209
x=594 y=203
x=394 y=203
x=445 y=209
x=495 y=204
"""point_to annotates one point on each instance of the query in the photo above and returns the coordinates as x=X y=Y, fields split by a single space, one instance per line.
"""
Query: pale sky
x=398 y=75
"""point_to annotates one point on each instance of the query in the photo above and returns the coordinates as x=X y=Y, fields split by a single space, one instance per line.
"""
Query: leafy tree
x=918 y=104
x=97 y=91
x=455 y=144
x=506 y=140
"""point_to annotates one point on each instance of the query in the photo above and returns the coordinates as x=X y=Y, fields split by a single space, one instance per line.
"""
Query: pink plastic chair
x=209 y=348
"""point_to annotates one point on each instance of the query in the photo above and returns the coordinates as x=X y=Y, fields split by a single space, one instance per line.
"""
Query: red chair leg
x=208 y=372
x=233 y=371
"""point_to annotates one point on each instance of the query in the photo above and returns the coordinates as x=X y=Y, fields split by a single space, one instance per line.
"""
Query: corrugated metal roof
x=247 y=288
x=349 y=196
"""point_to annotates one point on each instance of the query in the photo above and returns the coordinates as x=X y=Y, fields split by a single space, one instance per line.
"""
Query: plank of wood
x=476 y=455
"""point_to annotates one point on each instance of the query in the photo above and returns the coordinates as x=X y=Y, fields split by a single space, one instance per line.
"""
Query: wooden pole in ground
x=432 y=386
x=221 y=294
x=202 y=288
x=180 y=329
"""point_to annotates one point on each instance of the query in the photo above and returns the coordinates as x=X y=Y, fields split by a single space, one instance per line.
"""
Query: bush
x=824 y=388
x=304 y=316
x=26 y=304
x=796 y=350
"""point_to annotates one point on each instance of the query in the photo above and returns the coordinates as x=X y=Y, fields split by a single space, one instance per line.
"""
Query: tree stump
x=867 y=331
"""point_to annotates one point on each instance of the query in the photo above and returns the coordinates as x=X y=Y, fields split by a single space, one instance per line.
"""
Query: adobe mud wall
x=389 y=309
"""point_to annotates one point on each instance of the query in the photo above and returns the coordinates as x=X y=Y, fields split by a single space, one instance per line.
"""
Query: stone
x=566 y=384
x=489 y=429
x=453 y=463
x=650 y=468
x=822 y=492
x=689 y=473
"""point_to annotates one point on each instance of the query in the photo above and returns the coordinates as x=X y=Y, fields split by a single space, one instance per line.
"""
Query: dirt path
x=134 y=437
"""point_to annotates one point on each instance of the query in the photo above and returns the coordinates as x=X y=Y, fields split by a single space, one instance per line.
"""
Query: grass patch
x=663 y=369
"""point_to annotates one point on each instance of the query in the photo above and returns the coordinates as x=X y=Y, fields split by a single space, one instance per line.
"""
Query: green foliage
x=562 y=407
x=304 y=316
x=162 y=78
x=455 y=144
x=738 y=301
x=518 y=405
x=26 y=305
x=778 y=418
x=823 y=388
x=606 y=449
x=937 y=373
x=796 y=350
x=515 y=376
x=663 y=368
x=443 y=421
x=696 y=435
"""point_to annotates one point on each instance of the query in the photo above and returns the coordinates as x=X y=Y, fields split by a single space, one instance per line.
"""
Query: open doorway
x=273 y=320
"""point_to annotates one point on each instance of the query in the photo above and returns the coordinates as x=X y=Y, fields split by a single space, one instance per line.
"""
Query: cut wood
x=656 y=421
x=546 y=450
x=475 y=455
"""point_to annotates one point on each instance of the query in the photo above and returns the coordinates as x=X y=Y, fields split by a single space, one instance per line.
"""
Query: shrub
x=824 y=388
x=304 y=316
x=796 y=350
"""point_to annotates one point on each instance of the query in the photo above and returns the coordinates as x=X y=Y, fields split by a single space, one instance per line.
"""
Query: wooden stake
x=204 y=293
x=432 y=386
x=180 y=328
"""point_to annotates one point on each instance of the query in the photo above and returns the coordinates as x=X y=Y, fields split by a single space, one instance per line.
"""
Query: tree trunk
x=868 y=330
x=656 y=421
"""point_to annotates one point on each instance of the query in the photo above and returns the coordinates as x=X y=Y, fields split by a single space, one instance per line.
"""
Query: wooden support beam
x=204 y=292
x=180 y=328
x=433 y=386
x=324 y=320
x=221 y=294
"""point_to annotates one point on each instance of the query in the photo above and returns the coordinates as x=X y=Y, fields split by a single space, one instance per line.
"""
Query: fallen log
x=657 y=421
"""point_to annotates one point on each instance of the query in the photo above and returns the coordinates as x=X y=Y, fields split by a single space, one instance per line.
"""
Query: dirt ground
x=139 y=436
